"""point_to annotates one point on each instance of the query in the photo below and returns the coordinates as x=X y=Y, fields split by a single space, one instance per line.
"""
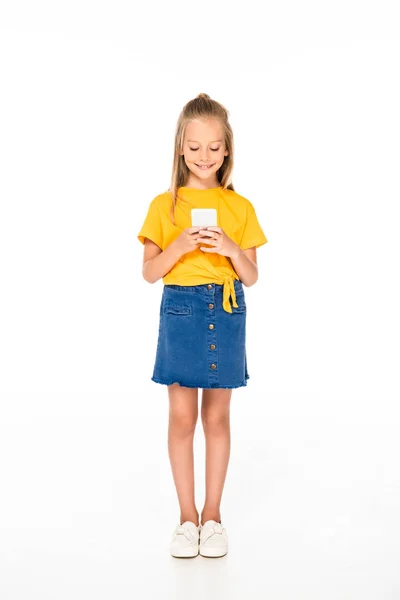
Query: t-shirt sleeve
x=152 y=226
x=252 y=235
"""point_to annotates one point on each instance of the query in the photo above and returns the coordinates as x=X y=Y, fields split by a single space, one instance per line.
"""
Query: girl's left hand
x=222 y=244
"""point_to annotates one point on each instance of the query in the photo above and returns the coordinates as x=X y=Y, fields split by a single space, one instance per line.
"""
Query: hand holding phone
x=187 y=241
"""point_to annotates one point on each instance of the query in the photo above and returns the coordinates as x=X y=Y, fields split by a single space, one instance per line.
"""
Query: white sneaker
x=213 y=539
x=185 y=540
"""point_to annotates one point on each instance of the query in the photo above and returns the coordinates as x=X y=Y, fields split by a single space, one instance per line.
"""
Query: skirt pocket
x=241 y=304
x=172 y=307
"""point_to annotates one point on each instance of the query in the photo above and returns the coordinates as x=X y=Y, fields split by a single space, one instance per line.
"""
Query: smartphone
x=204 y=217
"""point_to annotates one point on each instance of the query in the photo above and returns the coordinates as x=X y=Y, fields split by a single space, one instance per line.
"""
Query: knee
x=215 y=422
x=182 y=423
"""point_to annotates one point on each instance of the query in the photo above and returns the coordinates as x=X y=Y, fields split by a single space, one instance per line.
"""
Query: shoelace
x=217 y=528
x=181 y=530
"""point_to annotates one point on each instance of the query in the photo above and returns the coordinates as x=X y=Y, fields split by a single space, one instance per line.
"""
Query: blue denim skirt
x=200 y=344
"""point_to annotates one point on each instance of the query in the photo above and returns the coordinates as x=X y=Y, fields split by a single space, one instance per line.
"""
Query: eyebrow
x=199 y=142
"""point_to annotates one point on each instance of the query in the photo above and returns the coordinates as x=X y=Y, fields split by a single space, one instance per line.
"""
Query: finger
x=214 y=228
x=195 y=229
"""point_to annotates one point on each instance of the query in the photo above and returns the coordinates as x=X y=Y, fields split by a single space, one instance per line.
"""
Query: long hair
x=200 y=107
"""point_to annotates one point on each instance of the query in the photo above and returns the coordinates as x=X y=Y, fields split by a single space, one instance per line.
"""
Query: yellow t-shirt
x=235 y=215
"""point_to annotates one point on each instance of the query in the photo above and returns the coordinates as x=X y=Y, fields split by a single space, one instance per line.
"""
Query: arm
x=156 y=262
x=245 y=264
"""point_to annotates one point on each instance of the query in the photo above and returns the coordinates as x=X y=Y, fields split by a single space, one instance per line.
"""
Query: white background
x=90 y=95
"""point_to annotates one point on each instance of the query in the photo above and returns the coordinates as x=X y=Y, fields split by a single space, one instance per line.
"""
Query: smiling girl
x=202 y=317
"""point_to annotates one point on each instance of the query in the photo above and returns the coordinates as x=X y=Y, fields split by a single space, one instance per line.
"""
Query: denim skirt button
x=198 y=348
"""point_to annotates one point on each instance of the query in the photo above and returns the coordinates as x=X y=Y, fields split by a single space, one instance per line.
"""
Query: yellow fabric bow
x=229 y=291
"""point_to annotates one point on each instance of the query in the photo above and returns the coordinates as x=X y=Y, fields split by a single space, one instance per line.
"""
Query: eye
x=213 y=149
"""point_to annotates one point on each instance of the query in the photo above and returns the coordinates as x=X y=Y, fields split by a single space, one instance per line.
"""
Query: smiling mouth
x=204 y=167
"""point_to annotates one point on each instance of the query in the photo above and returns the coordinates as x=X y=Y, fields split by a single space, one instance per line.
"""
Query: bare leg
x=183 y=413
x=215 y=415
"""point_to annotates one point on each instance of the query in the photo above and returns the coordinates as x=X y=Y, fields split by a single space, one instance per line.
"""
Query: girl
x=202 y=318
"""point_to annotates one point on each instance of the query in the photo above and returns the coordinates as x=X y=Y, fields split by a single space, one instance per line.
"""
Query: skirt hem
x=156 y=380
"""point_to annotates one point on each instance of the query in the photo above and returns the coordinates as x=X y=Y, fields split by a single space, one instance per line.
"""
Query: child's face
x=203 y=144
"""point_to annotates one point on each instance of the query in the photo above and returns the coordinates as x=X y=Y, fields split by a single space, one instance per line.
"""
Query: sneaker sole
x=213 y=552
x=185 y=553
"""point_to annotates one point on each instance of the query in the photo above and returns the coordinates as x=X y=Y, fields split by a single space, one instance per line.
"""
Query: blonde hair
x=200 y=107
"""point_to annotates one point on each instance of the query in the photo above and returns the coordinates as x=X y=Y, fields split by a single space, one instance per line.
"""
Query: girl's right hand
x=187 y=240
